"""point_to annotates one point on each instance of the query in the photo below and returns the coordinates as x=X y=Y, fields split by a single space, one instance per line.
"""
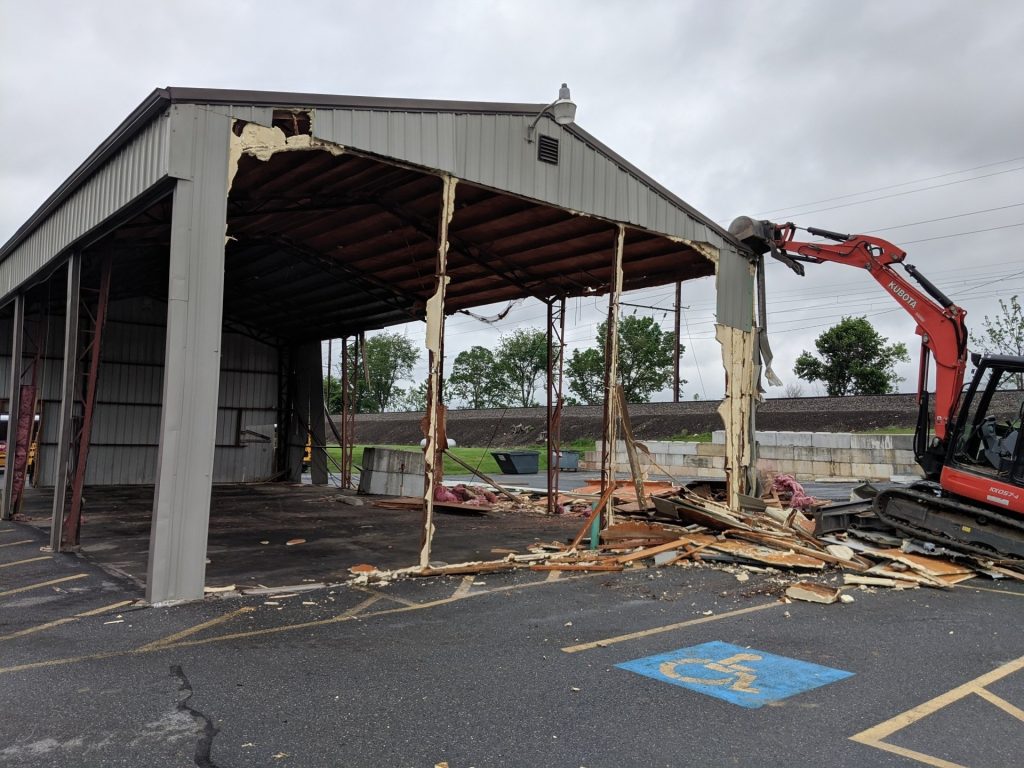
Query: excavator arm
x=940 y=322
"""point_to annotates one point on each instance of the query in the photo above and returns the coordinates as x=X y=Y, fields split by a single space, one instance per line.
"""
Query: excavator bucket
x=756 y=235
x=761 y=236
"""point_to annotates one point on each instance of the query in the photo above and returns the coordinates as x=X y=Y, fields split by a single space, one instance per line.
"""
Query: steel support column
x=72 y=523
x=676 y=373
x=348 y=421
x=13 y=400
x=188 y=423
x=555 y=371
x=611 y=366
x=436 y=439
x=67 y=400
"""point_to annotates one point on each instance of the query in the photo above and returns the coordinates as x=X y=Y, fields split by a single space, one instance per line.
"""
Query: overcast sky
x=851 y=116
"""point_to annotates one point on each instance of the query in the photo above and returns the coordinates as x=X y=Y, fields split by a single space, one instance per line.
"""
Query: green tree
x=477 y=380
x=520 y=360
x=1004 y=335
x=387 y=359
x=854 y=360
x=646 y=356
x=333 y=397
x=413 y=398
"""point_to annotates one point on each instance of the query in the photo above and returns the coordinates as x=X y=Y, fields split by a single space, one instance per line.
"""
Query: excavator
x=971 y=451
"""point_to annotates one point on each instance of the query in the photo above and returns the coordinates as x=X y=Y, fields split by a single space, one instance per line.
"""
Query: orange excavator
x=971 y=450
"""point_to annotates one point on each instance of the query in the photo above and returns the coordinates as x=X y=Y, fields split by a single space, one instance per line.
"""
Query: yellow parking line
x=42 y=584
x=873 y=737
x=67 y=620
x=16 y=543
x=1002 y=703
x=104 y=609
x=666 y=628
x=463 y=589
x=348 y=615
x=22 y=562
x=171 y=639
x=38 y=628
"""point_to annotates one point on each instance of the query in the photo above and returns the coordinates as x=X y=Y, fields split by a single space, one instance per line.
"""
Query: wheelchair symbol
x=738 y=677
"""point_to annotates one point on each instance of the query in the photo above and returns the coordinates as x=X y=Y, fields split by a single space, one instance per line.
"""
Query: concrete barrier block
x=829 y=440
x=800 y=439
x=779 y=452
x=767 y=438
x=903 y=442
x=900 y=456
x=842 y=455
x=710 y=474
x=710 y=449
x=718 y=436
x=803 y=469
x=822 y=468
x=804 y=453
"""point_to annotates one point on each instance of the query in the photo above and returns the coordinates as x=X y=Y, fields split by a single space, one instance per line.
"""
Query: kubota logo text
x=898 y=291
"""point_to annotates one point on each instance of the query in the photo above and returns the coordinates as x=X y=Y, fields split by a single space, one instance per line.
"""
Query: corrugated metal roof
x=157 y=102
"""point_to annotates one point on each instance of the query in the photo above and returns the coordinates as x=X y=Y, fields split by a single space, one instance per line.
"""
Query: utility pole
x=675 y=357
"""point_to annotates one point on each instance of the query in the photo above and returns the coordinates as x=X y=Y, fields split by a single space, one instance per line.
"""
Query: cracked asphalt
x=474 y=672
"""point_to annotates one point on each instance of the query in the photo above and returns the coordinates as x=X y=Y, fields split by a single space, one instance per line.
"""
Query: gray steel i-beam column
x=611 y=366
x=188 y=422
x=65 y=428
x=14 y=399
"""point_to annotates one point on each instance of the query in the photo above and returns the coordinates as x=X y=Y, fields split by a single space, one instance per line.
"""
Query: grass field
x=479 y=458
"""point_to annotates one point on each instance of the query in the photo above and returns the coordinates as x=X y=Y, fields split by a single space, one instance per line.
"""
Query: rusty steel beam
x=555 y=377
x=72 y=522
x=13 y=401
x=67 y=398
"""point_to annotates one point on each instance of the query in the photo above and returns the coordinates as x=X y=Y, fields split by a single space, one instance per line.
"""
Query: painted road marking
x=42 y=584
x=22 y=562
x=463 y=589
x=343 y=617
x=666 y=628
x=173 y=638
x=67 y=620
x=16 y=543
x=874 y=736
x=738 y=675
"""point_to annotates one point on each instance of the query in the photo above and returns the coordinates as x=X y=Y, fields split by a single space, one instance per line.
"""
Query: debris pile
x=688 y=524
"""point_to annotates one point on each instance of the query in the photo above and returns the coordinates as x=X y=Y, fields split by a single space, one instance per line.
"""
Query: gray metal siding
x=492 y=150
x=126 y=427
x=133 y=170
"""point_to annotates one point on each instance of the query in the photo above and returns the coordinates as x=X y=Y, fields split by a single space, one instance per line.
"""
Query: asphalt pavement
x=519 y=669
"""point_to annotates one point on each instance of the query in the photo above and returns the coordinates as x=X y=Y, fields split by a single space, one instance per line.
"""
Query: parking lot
x=503 y=670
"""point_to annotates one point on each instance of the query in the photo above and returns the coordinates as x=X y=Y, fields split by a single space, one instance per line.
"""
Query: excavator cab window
x=988 y=435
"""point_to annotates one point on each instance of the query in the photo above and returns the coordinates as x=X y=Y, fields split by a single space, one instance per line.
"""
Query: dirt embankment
x=654 y=421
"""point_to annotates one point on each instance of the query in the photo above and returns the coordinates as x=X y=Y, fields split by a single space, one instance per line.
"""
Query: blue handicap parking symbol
x=738 y=675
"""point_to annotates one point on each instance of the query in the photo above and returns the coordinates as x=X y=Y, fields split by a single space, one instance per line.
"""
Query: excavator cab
x=987 y=438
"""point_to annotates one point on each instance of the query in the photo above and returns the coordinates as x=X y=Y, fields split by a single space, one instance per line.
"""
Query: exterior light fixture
x=562 y=110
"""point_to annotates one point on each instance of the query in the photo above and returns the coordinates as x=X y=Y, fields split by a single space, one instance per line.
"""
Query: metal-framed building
x=164 y=308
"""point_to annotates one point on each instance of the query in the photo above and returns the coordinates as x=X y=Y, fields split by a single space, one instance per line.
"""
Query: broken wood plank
x=466 y=568
x=652 y=551
x=576 y=567
x=631 y=452
x=875 y=581
x=809 y=592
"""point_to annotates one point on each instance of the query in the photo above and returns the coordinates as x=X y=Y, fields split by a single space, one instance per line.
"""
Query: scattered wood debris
x=810 y=592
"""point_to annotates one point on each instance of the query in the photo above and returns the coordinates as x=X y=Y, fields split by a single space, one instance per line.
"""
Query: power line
x=946 y=218
x=890 y=186
x=906 y=192
x=960 y=234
